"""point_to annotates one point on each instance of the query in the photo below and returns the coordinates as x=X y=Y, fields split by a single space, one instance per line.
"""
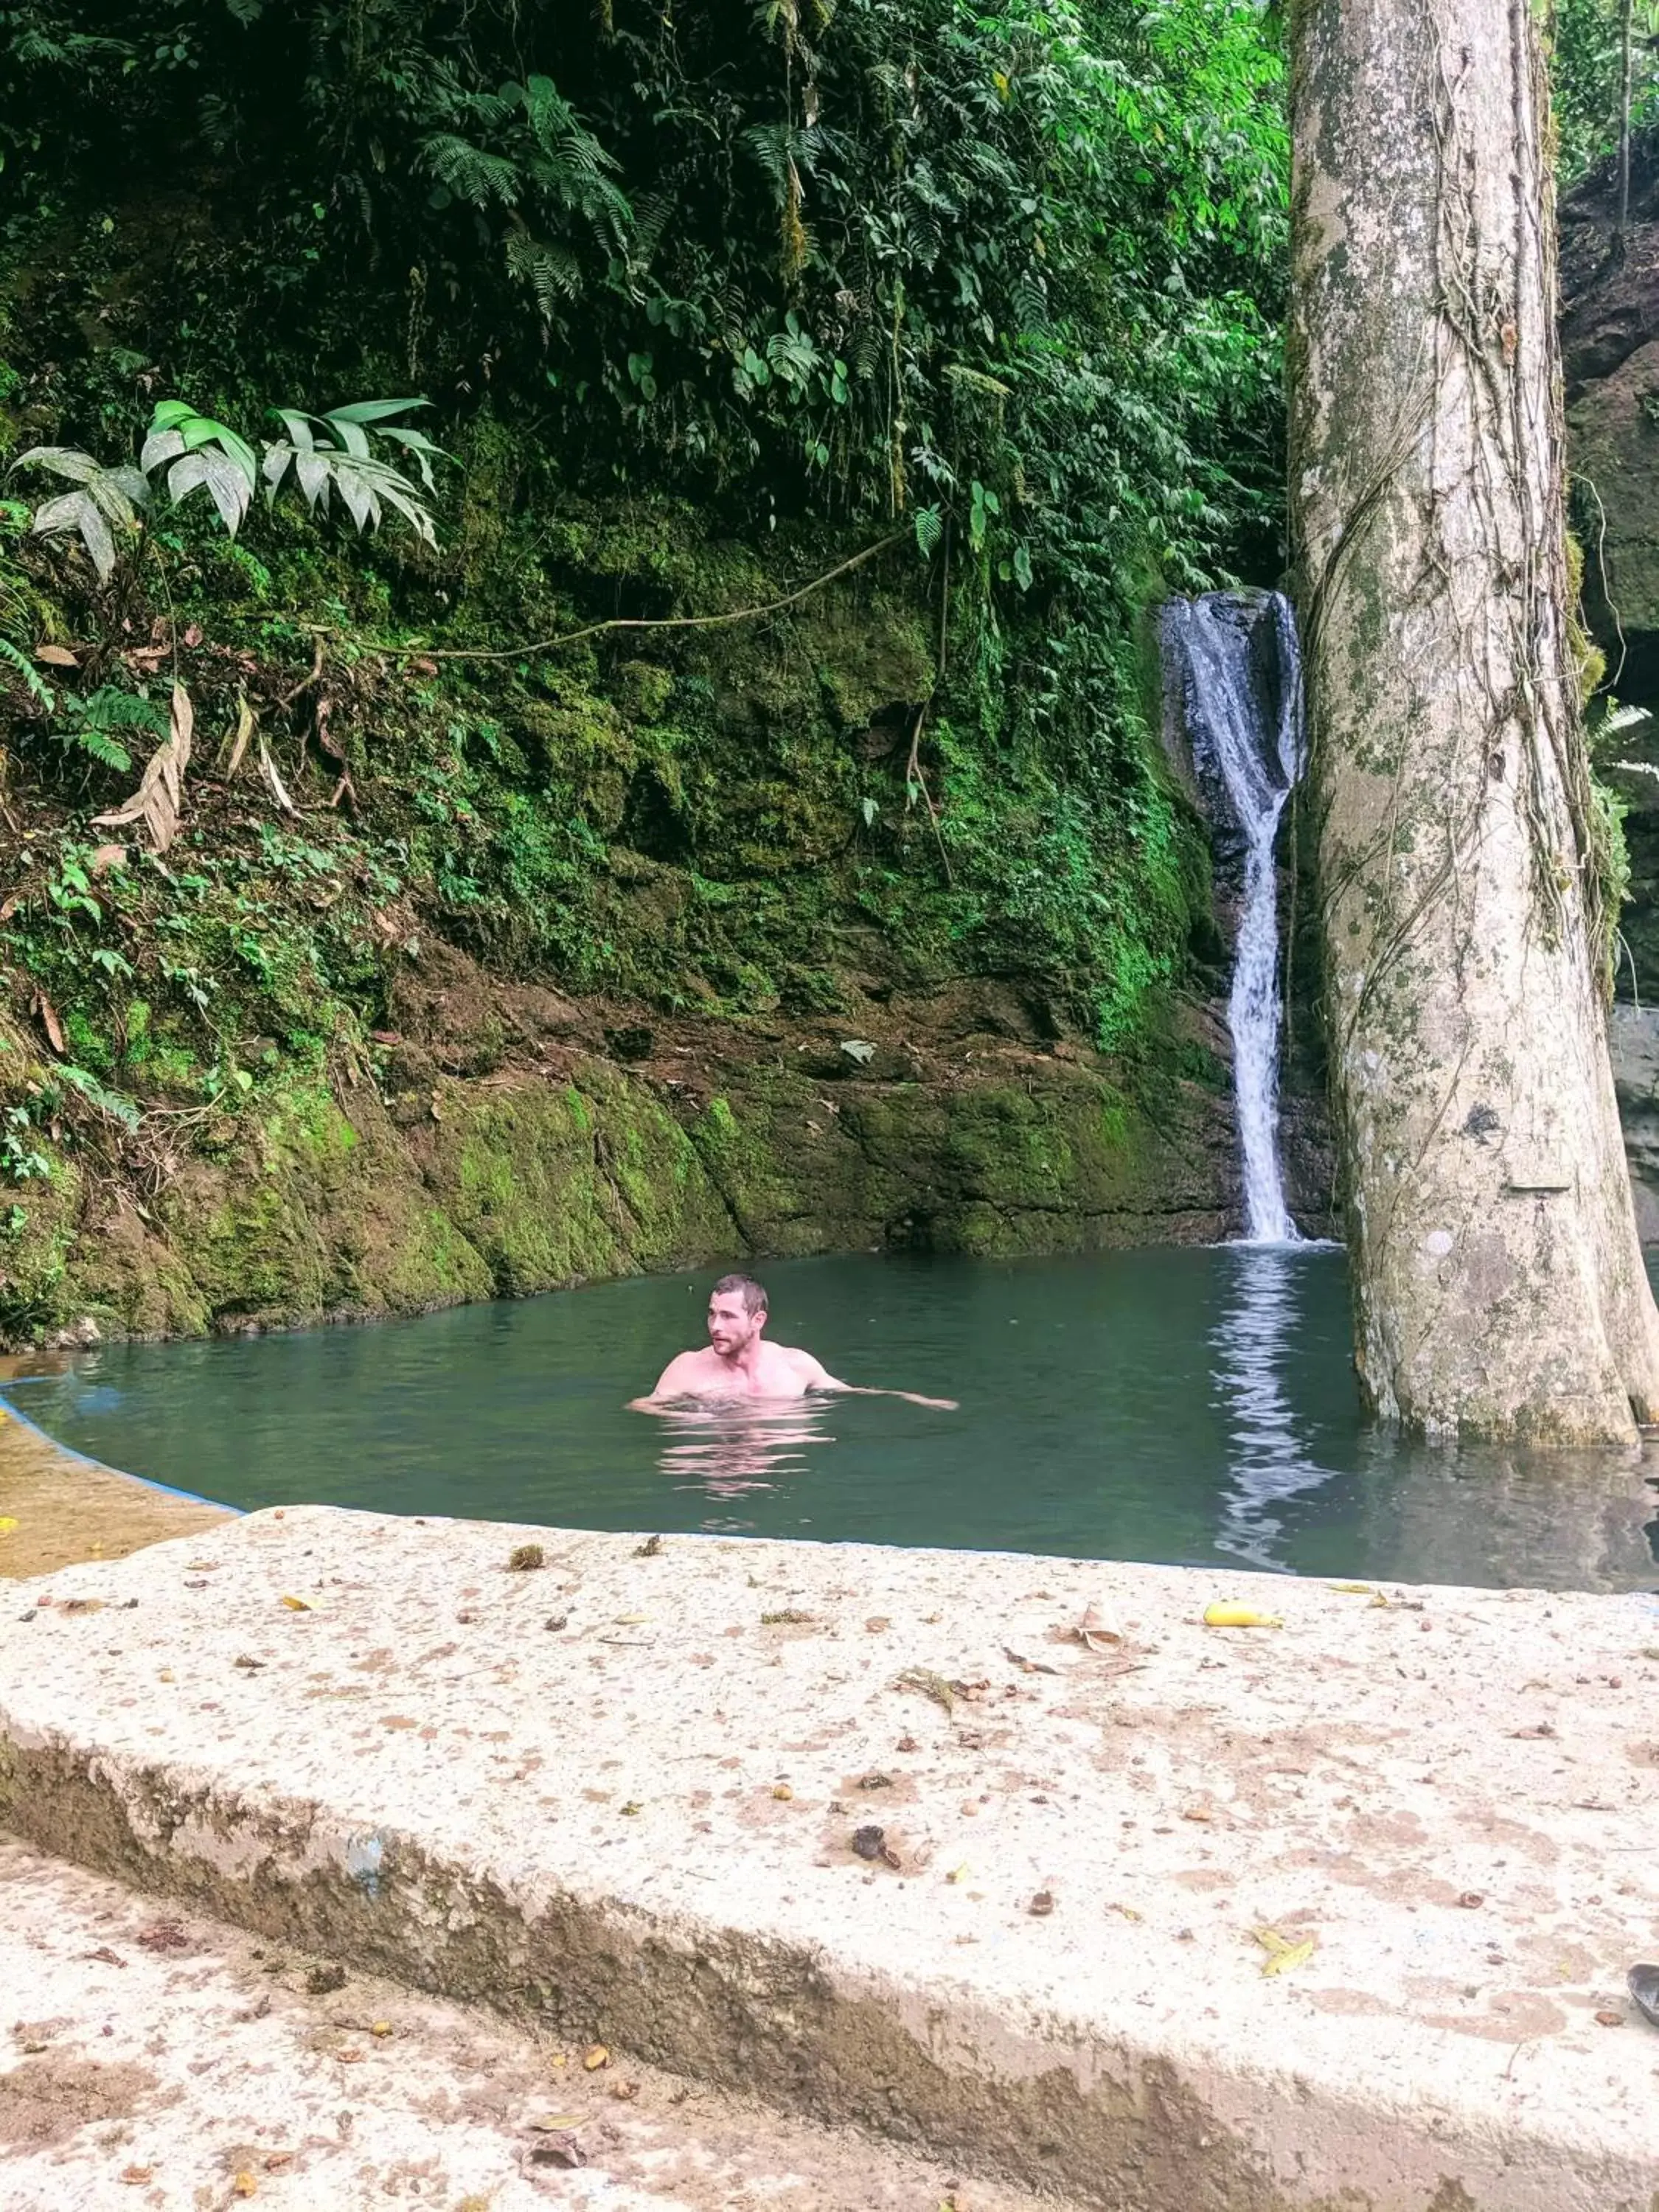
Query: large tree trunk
x=1499 y=1287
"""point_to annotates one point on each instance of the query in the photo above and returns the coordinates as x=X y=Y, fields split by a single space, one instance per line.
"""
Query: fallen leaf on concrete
x=1610 y=2019
x=297 y=1604
x=246 y=1659
x=1283 y=1954
x=557 y=2150
x=632 y=1619
x=245 y=2186
x=1095 y=1633
x=83 y=1605
x=624 y=2092
x=556 y=1621
x=380 y=2027
x=1541 y=1728
x=1225 y=1615
x=276 y=2159
x=594 y=2056
x=8 y=1522
x=1471 y=1900
x=1354 y=1589
x=524 y=1558
x=136 y=2176
x=790 y=1617
x=1027 y=1666
x=870 y=1842
x=1197 y=1813
x=556 y=2123
x=1127 y=1912
x=783 y=1793
x=104 y=1956
x=163 y=1935
x=957 y=1873
x=1041 y=1905
x=929 y=1684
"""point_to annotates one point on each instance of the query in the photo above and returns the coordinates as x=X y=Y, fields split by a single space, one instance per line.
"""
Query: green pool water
x=1188 y=1406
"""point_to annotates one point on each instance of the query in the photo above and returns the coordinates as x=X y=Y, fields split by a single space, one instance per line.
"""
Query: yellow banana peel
x=1223 y=1615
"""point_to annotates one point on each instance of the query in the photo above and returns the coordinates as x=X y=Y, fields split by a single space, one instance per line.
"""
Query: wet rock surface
x=510 y=1144
x=1342 y=1906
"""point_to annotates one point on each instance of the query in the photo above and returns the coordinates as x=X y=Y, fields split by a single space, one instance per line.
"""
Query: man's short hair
x=752 y=1293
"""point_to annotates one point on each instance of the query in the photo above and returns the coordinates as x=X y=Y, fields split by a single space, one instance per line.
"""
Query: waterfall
x=1236 y=659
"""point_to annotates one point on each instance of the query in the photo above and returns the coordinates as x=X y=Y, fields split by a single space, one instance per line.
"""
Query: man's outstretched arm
x=677 y=1380
x=818 y=1376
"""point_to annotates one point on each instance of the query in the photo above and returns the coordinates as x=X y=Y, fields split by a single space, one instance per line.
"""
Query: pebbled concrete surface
x=620 y=1796
x=165 y=2062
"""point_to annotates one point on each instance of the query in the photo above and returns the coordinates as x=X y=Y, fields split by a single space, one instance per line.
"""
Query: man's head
x=737 y=1313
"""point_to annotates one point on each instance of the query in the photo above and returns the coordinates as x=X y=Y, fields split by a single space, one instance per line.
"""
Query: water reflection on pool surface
x=1189 y=1406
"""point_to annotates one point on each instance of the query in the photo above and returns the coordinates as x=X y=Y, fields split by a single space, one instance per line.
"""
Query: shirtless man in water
x=740 y=1364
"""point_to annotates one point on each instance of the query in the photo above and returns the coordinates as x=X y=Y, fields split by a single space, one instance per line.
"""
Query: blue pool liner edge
x=166 y=1489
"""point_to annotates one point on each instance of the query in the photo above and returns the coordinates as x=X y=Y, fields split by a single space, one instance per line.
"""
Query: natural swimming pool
x=1190 y=1406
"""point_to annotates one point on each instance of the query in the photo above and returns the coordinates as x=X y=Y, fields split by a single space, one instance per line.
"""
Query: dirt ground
x=152 y=2060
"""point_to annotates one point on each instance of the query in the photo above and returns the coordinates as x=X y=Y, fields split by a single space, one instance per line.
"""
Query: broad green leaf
x=374 y=411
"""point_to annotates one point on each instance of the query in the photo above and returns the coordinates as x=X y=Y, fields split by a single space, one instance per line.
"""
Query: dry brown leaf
x=557 y=2150
x=595 y=2056
x=245 y=2186
x=274 y=783
x=50 y=1023
x=136 y=2176
x=107 y=857
x=243 y=732
x=160 y=799
x=56 y=656
x=930 y=1685
x=163 y=1935
x=1094 y=1634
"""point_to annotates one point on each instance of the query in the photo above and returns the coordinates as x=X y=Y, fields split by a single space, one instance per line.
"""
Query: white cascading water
x=1257 y=763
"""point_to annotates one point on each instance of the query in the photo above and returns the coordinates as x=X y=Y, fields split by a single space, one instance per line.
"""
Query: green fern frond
x=479 y=178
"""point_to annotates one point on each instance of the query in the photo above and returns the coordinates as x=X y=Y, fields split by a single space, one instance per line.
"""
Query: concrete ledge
x=638 y=1826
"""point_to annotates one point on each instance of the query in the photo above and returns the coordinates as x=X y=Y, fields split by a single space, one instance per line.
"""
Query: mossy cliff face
x=529 y=1178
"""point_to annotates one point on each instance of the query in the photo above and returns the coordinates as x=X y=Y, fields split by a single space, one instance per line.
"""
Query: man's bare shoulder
x=806 y=1364
x=686 y=1370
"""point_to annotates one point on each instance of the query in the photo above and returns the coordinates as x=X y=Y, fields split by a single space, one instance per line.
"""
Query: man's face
x=731 y=1325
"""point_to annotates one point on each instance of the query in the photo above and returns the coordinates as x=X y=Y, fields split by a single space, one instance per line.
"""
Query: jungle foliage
x=810 y=270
